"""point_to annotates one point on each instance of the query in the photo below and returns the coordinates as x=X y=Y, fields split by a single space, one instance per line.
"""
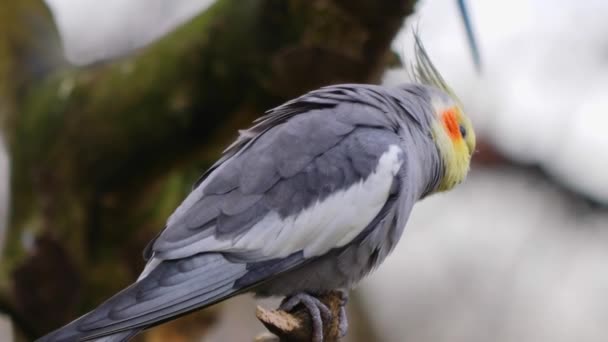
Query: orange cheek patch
x=450 y=122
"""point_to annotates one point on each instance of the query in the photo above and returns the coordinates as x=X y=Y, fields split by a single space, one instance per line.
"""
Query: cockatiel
x=309 y=199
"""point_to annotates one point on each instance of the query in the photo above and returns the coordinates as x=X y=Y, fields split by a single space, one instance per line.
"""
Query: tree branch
x=102 y=155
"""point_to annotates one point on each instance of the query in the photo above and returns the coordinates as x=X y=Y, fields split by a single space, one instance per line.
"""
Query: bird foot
x=304 y=317
x=318 y=312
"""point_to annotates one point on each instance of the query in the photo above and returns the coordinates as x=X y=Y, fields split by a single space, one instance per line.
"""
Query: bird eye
x=463 y=131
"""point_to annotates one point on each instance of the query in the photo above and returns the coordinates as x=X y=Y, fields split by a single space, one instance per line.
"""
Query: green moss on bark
x=102 y=155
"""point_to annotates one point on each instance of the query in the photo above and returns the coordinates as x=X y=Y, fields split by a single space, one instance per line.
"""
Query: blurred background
x=111 y=110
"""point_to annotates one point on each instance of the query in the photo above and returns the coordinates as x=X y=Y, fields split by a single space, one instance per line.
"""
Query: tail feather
x=173 y=288
x=119 y=337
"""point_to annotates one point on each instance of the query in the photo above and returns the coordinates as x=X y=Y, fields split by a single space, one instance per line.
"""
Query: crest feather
x=425 y=72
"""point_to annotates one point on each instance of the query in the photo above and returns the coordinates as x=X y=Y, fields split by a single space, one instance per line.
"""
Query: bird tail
x=122 y=336
x=172 y=288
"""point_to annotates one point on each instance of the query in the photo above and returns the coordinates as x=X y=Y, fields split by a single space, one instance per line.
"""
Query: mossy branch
x=101 y=155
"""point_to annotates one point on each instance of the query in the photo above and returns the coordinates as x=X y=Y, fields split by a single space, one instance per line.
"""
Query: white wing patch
x=327 y=224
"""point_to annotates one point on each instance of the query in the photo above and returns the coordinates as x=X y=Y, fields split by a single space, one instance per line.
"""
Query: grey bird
x=309 y=199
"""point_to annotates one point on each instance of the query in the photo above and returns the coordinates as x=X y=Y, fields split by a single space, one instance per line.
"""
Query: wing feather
x=280 y=175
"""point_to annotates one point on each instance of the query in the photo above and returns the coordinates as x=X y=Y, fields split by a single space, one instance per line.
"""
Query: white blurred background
x=515 y=254
x=99 y=30
x=540 y=98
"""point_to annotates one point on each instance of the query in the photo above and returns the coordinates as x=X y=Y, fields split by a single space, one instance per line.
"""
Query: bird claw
x=343 y=294
x=318 y=312
x=343 y=319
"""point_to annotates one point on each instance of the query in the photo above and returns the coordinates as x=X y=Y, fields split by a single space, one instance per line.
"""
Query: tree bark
x=103 y=154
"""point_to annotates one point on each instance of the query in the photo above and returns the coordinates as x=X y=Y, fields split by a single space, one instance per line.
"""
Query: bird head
x=451 y=129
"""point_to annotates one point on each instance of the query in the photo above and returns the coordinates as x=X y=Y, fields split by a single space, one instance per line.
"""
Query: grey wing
x=174 y=287
x=304 y=187
x=253 y=204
